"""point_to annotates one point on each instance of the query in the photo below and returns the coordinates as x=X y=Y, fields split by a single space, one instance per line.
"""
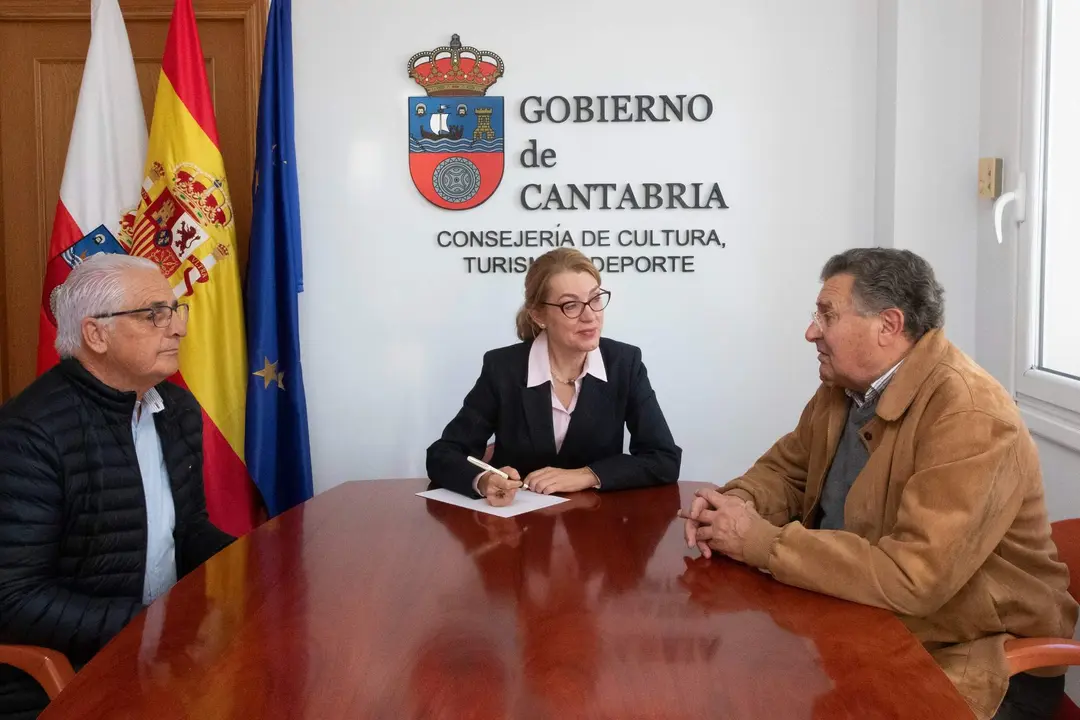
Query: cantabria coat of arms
x=456 y=130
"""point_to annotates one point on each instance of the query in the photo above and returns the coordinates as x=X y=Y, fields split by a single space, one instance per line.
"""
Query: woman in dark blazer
x=557 y=402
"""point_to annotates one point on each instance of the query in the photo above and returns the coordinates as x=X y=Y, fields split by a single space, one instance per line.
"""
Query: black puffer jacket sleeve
x=36 y=608
x=181 y=429
x=201 y=539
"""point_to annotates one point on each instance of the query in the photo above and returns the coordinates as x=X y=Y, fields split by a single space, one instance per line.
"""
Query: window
x=1048 y=320
x=1059 y=309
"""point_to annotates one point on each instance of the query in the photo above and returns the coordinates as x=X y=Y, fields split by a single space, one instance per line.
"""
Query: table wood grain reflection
x=369 y=602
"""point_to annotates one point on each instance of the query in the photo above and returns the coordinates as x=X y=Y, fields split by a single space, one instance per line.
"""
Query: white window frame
x=1049 y=402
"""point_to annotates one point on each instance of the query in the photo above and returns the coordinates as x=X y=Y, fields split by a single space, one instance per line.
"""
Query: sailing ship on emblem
x=440 y=130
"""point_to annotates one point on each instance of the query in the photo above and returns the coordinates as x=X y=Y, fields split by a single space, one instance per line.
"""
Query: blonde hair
x=538 y=280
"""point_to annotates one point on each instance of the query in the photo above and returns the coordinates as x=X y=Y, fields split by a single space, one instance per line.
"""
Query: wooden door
x=43 y=46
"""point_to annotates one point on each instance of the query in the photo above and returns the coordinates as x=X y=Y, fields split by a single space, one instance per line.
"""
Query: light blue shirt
x=160 y=511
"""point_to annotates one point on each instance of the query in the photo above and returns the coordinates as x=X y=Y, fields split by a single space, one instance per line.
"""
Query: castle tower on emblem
x=483 y=129
x=456 y=146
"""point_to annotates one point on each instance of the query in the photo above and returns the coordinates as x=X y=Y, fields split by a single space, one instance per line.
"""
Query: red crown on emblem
x=455 y=69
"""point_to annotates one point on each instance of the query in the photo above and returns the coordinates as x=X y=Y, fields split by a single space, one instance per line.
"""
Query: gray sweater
x=851 y=458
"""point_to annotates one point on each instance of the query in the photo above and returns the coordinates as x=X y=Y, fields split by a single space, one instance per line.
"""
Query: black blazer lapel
x=537 y=403
x=592 y=419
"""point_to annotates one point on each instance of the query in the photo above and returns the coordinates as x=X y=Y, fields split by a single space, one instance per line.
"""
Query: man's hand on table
x=719 y=522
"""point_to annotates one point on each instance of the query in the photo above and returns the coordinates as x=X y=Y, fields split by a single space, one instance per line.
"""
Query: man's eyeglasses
x=823 y=319
x=161 y=315
x=574 y=308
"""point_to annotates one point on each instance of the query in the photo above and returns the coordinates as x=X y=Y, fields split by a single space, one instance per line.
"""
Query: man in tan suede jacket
x=911 y=484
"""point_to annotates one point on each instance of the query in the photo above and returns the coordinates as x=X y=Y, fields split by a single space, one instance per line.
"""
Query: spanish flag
x=184 y=223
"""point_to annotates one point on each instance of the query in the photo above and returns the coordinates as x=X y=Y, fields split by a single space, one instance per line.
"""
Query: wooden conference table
x=370 y=602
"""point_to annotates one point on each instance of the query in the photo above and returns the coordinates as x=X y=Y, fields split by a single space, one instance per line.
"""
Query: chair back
x=49 y=667
x=1066 y=534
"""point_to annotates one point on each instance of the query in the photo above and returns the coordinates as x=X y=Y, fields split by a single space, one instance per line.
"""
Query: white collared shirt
x=160 y=509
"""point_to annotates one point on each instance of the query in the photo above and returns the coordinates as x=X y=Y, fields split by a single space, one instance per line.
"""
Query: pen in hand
x=484 y=466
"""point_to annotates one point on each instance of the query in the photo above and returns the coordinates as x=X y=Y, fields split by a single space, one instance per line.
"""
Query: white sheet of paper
x=524 y=501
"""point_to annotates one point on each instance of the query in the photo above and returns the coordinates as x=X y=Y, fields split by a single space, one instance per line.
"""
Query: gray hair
x=94 y=287
x=886 y=278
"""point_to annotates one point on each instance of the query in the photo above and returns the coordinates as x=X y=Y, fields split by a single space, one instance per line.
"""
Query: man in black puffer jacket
x=101 y=494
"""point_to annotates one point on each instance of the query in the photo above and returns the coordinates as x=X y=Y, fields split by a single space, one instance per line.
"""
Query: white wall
x=999 y=136
x=393 y=328
x=836 y=124
x=928 y=143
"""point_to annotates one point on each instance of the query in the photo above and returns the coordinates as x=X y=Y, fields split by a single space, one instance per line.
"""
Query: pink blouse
x=540 y=373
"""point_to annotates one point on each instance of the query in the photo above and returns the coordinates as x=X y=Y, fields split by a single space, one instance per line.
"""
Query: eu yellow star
x=270 y=374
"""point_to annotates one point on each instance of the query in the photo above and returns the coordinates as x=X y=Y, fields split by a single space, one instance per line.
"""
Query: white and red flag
x=104 y=168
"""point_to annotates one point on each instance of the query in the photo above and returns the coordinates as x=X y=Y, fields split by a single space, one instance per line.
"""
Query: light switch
x=990 y=171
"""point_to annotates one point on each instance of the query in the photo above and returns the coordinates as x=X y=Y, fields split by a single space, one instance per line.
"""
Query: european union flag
x=277 y=449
